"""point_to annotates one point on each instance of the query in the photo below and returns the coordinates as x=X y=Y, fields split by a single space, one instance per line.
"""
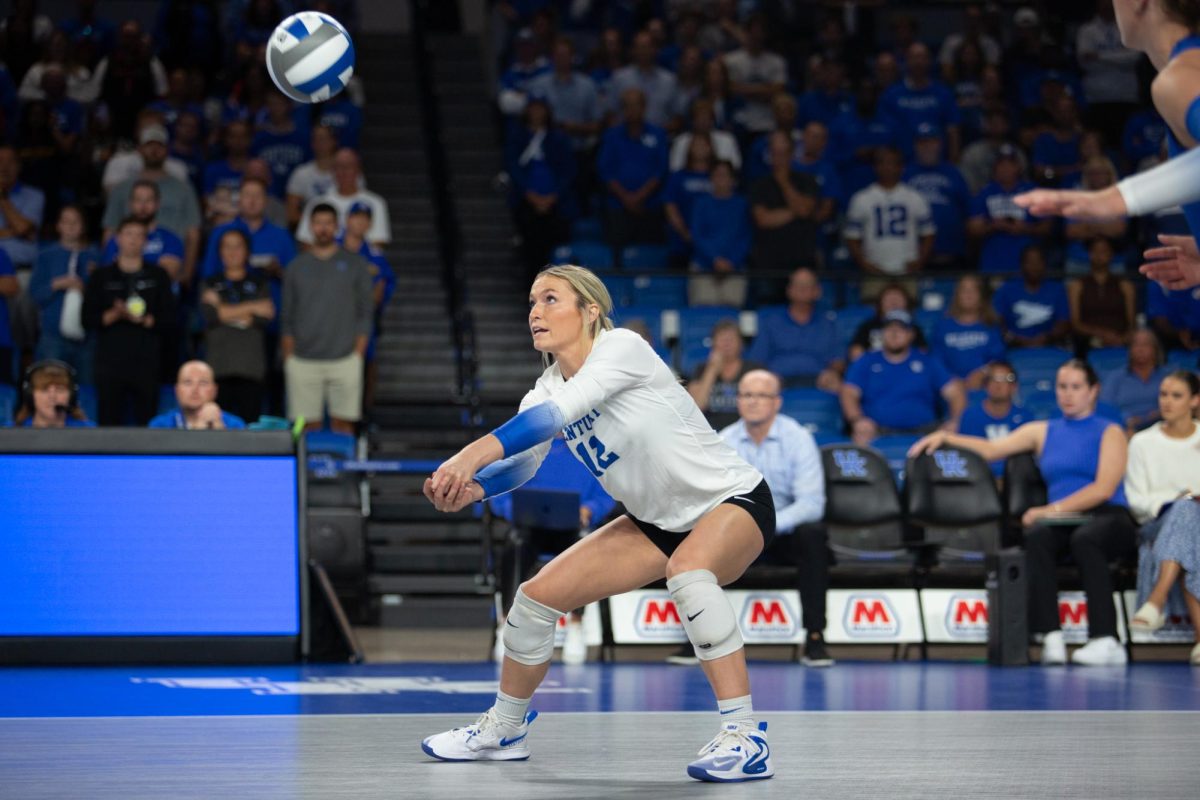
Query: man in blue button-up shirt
x=785 y=453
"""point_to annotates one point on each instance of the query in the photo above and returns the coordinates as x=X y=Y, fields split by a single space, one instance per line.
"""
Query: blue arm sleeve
x=504 y=476
x=531 y=427
x=1193 y=119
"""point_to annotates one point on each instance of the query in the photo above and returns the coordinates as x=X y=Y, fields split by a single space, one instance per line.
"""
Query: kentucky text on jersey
x=579 y=426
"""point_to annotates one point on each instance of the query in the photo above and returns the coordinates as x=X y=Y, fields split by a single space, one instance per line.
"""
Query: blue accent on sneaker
x=758 y=762
x=507 y=742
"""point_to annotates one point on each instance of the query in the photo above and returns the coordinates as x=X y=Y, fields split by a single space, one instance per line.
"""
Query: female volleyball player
x=698 y=516
x=1165 y=30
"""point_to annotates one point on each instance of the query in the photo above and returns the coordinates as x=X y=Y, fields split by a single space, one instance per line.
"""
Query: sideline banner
x=649 y=616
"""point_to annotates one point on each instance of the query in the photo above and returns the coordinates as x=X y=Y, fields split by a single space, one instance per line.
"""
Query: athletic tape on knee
x=529 y=631
x=706 y=614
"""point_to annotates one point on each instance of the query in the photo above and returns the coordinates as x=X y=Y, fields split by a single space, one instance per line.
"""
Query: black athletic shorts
x=758 y=503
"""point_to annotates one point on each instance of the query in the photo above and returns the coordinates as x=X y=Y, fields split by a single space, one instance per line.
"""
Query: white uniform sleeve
x=1171 y=183
x=620 y=360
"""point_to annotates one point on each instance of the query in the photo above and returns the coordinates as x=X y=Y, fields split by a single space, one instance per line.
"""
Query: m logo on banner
x=870 y=616
x=768 y=616
x=657 y=617
x=967 y=617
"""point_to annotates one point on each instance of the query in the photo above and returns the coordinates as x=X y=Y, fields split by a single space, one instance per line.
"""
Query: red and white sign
x=955 y=615
x=888 y=616
x=1177 y=630
x=650 y=616
x=1073 y=617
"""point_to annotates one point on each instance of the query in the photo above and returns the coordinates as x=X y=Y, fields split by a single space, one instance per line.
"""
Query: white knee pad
x=529 y=631
x=705 y=613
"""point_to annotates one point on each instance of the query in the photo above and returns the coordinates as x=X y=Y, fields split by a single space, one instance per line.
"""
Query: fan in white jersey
x=1166 y=31
x=698 y=515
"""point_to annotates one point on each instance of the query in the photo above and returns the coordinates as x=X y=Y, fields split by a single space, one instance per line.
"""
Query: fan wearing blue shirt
x=61 y=266
x=196 y=394
x=787 y=456
x=720 y=228
x=1056 y=152
x=945 y=189
x=857 y=134
x=897 y=389
x=1004 y=228
x=920 y=97
x=281 y=142
x=799 y=342
x=541 y=169
x=828 y=99
x=996 y=415
x=967 y=338
x=632 y=164
x=1174 y=315
x=1144 y=136
x=226 y=173
x=1133 y=389
x=163 y=248
x=383 y=285
x=684 y=186
x=1034 y=312
x=50 y=398
x=343 y=117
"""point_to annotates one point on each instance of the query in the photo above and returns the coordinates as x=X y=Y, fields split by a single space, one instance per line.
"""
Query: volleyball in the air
x=310 y=57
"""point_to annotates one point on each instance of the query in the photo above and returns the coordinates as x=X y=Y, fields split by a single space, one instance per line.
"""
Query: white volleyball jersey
x=634 y=427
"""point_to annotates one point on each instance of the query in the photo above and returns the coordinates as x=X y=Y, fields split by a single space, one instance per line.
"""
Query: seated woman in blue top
x=1082 y=458
x=968 y=338
x=51 y=398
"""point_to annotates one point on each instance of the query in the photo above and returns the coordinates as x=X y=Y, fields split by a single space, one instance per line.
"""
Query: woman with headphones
x=50 y=398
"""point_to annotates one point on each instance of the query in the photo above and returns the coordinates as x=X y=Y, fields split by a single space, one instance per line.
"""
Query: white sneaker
x=498 y=647
x=574 y=650
x=738 y=753
x=1102 y=652
x=1195 y=657
x=1054 y=650
x=487 y=739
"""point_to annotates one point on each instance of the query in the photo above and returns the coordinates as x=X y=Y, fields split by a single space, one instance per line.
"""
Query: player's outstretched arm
x=1171 y=183
x=1099 y=204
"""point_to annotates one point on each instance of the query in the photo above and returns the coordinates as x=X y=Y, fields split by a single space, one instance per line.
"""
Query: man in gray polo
x=325 y=326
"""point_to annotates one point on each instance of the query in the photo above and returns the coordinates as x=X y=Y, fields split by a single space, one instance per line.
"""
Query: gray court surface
x=610 y=755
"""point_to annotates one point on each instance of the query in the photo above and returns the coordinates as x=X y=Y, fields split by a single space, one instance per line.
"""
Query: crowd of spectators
x=770 y=152
x=155 y=192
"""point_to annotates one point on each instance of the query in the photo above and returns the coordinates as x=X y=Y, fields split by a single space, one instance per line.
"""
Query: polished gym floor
x=859 y=729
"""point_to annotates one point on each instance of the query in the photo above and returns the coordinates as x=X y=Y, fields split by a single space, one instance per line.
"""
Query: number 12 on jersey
x=598 y=459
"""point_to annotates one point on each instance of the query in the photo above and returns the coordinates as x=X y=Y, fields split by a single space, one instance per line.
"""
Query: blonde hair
x=589 y=291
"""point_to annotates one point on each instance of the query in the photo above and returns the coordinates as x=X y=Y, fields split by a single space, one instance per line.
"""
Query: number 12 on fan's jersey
x=598 y=459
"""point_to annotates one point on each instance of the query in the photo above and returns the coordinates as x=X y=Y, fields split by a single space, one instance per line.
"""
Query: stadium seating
x=1040 y=404
x=695 y=324
x=644 y=257
x=1108 y=359
x=594 y=255
x=620 y=288
x=587 y=229
x=952 y=495
x=650 y=315
x=863 y=510
x=665 y=291
x=848 y=320
x=1037 y=366
x=814 y=409
x=926 y=319
x=894 y=449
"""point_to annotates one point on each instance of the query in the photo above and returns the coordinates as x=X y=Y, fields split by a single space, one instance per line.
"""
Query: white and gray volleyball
x=310 y=57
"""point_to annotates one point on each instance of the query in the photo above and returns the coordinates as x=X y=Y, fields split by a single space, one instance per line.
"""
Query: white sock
x=511 y=710
x=736 y=709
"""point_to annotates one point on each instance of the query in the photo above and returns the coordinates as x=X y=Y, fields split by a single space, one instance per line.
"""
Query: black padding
x=859 y=486
x=951 y=487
